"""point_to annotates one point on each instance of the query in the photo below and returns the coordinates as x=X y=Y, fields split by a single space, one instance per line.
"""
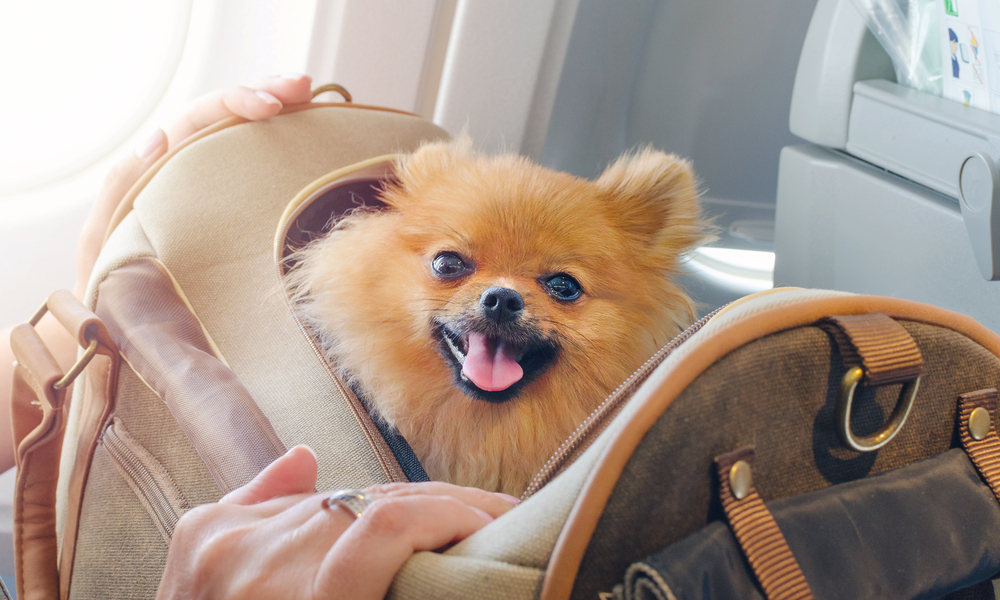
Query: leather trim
x=579 y=527
x=379 y=168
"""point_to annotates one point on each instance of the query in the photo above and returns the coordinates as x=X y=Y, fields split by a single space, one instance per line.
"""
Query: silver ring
x=353 y=501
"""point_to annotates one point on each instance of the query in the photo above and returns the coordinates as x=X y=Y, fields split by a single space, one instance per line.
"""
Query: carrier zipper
x=383 y=454
x=130 y=464
x=595 y=423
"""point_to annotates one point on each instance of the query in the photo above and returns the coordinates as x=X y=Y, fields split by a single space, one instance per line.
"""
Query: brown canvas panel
x=786 y=408
x=650 y=404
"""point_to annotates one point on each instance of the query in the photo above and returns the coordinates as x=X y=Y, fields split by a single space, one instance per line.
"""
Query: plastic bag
x=908 y=30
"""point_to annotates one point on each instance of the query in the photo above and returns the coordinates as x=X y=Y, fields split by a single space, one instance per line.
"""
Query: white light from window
x=78 y=79
x=748 y=270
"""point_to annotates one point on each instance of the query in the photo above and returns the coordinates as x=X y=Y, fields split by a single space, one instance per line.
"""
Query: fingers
x=371 y=551
x=293 y=473
x=263 y=101
x=289 y=89
x=492 y=504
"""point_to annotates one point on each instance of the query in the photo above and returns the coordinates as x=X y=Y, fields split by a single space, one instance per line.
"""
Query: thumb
x=293 y=473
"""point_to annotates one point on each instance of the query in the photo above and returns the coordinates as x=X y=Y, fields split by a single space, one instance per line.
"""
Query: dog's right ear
x=654 y=196
x=427 y=163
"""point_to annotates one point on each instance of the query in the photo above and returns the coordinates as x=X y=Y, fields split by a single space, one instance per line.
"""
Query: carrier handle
x=876 y=351
x=333 y=87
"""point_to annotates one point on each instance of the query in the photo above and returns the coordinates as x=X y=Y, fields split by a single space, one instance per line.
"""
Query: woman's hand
x=260 y=102
x=273 y=538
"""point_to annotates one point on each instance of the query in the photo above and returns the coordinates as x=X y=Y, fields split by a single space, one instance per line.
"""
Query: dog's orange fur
x=368 y=291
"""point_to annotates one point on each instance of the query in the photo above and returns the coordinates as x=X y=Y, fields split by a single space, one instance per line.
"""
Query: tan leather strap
x=36 y=412
x=984 y=452
x=38 y=421
x=757 y=532
x=879 y=345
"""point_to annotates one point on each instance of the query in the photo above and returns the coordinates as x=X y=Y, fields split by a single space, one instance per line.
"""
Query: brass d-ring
x=78 y=368
x=80 y=365
x=892 y=425
x=332 y=87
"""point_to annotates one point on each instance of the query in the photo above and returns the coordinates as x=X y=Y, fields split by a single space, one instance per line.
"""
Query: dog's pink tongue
x=490 y=364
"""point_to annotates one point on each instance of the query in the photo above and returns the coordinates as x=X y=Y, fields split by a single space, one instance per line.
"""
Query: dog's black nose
x=501 y=304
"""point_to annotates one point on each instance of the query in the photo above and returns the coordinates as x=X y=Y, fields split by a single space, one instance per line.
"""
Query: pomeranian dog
x=495 y=303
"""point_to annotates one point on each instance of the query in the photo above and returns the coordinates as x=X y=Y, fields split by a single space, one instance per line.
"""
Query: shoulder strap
x=38 y=399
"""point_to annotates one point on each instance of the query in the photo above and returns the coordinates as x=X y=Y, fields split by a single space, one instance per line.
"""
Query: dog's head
x=491 y=284
x=525 y=274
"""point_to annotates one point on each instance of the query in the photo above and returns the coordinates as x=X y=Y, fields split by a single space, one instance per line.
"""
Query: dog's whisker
x=573 y=329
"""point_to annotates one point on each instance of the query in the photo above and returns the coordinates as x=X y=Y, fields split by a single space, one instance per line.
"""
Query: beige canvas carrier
x=201 y=375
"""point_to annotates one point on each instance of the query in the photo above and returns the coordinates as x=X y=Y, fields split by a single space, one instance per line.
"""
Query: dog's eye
x=563 y=287
x=449 y=264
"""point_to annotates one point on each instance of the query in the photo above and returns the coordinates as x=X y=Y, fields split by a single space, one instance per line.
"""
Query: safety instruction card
x=970 y=45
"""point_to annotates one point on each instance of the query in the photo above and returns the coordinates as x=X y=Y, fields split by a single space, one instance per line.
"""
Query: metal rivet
x=740 y=479
x=979 y=423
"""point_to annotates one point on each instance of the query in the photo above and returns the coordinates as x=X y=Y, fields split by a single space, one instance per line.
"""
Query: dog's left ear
x=654 y=196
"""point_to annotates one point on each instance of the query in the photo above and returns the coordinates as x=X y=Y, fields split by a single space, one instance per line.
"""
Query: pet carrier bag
x=751 y=457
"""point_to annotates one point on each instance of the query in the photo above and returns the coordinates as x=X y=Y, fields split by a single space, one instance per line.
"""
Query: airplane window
x=80 y=78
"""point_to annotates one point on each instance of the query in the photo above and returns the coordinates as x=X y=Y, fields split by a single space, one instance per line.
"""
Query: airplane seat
x=894 y=192
x=710 y=81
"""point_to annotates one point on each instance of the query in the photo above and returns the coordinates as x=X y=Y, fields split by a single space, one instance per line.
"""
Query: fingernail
x=269 y=98
x=307 y=448
x=510 y=499
x=294 y=76
x=144 y=150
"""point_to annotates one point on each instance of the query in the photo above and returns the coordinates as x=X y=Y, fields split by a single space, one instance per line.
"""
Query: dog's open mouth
x=491 y=367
